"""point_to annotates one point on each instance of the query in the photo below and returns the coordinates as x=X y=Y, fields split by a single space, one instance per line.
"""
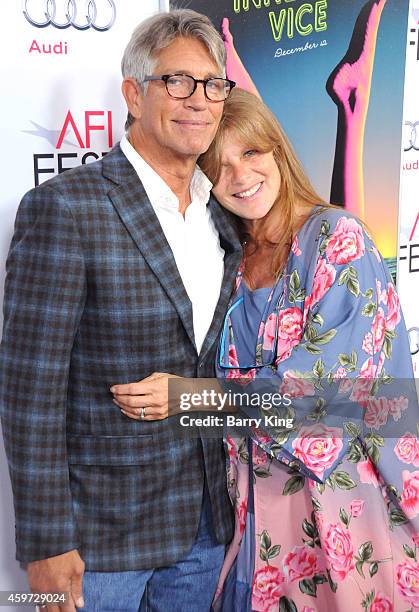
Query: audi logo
x=62 y=14
x=413 y=333
x=411 y=136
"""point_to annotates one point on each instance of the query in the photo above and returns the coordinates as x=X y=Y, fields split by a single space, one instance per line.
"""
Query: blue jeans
x=187 y=586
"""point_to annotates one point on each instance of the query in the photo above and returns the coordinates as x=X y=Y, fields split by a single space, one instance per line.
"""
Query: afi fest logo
x=95 y=14
x=97 y=122
x=410 y=253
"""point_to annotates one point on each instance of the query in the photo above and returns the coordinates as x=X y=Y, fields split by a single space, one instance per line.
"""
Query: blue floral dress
x=326 y=486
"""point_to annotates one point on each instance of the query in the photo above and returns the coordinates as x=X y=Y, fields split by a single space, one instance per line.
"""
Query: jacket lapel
x=233 y=255
x=136 y=213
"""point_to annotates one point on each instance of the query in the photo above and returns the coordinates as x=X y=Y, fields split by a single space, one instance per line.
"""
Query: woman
x=324 y=511
x=336 y=318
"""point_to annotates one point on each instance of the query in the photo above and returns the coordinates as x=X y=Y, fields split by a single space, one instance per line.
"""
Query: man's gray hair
x=158 y=32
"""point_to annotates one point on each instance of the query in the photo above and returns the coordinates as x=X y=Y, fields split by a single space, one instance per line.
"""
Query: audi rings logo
x=411 y=136
x=413 y=333
x=98 y=15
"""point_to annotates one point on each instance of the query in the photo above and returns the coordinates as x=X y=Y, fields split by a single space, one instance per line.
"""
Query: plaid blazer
x=93 y=297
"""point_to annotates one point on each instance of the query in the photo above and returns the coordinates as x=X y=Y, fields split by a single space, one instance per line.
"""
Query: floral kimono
x=326 y=510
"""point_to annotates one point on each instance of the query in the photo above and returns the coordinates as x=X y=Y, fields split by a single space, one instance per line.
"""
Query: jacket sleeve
x=343 y=358
x=45 y=291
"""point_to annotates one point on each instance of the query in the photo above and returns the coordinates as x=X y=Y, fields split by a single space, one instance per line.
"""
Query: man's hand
x=63 y=573
x=147 y=399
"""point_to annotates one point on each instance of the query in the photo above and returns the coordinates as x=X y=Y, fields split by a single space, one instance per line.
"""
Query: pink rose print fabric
x=407 y=449
x=410 y=493
x=407 y=580
x=290 y=328
x=327 y=514
x=318 y=447
x=339 y=551
x=346 y=244
x=324 y=277
x=301 y=562
x=267 y=588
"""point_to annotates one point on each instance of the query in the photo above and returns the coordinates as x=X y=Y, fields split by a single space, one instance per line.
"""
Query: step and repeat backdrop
x=333 y=72
x=62 y=106
x=408 y=252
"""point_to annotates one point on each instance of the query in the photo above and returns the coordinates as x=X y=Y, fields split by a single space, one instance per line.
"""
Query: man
x=117 y=270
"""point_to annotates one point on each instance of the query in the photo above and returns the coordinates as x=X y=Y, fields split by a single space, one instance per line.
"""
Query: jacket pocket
x=111 y=450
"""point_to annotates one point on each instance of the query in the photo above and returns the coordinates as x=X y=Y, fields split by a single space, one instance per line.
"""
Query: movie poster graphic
x=333 y=73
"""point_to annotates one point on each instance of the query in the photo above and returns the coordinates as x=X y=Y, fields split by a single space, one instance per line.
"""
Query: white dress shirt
x=193 y=239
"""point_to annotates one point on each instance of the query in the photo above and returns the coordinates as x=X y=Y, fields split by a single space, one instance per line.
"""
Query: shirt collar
x=158 y=192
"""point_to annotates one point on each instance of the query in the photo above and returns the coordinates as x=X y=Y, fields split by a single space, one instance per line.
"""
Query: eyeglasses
x=263 y=358
x=181 y=86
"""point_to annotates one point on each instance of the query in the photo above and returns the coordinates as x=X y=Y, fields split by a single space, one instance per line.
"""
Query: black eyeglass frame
x=166 y=77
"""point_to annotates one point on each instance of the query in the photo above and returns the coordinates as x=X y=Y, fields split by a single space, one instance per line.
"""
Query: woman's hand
x=145 y=400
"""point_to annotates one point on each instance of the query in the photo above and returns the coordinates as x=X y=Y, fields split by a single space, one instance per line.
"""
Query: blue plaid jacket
x=93 y=297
